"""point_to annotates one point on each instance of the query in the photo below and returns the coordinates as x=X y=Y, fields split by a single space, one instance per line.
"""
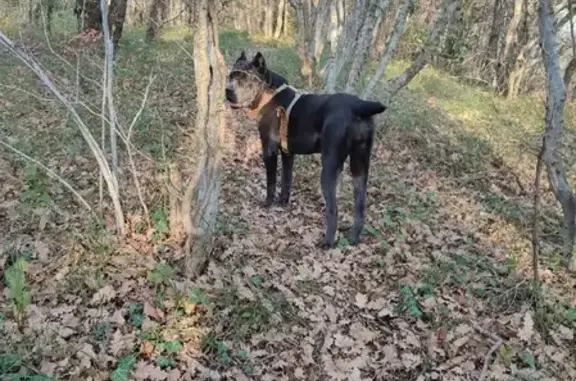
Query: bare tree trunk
x=268 y=18
x=345 y=46
x=511 y=47
x=92 y=15
x=157 y=14
x=376 y=9
x=279 y=18
x=447 y=9
x=554 y=126
x=399 y=28
x=492 y=57
x=199 y=207
x=117 y=19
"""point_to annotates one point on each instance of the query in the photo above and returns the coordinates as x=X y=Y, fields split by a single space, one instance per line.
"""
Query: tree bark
x=200 y=205
x=554 y=126
x=157 y=14
x=345 y=46
x=279 y=19
x=268 y=18
x=447 y=9
x=399 y=28
x=375 y=9
x=117 y=19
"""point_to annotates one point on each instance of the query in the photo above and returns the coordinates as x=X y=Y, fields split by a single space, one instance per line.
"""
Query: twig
x=129 y=150
x=497 y=343
x=535 y=225
x=109 y=176
x=491 y=351
x=51 y=173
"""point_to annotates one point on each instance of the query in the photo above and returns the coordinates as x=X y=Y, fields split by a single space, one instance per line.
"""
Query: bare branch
x=52 y=174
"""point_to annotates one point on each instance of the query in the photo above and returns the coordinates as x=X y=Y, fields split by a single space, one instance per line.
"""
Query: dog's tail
x=365 y=109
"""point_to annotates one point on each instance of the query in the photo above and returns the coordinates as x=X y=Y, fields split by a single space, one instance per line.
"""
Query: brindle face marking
x=245 y=80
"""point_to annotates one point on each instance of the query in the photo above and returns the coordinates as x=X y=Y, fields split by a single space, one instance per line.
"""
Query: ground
x=439 y=289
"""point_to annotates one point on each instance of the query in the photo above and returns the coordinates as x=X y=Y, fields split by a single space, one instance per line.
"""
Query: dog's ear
x=242 y=57
x=259 y=62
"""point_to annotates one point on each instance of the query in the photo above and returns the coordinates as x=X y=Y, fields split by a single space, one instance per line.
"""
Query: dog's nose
x=230 y=95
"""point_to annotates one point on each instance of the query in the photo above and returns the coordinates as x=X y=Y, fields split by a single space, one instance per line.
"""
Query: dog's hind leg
x=287 y=165
x=359 y=167
x=331 y=168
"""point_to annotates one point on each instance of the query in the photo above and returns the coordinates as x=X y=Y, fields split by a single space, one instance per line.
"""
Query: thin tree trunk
x=399 y=28
x=268 y=18
x=279 y=18
x=200 y=206
x=117 y=19
x=376 y=8
x=157 y=14
x=554 y=126
x=447 y=9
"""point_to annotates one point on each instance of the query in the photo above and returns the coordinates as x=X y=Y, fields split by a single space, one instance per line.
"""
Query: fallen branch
x=497 y=343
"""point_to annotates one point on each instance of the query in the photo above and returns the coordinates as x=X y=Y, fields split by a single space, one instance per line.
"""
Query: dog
x=336 y=126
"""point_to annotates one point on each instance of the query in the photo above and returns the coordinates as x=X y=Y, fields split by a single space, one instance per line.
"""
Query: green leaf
x=173 y=346
x=160 y=273
x=256 y=280
x=372 y=231
x=122 y=372
x=571 y=314
x=528 y=359
x=343 y=242
x=164 y=362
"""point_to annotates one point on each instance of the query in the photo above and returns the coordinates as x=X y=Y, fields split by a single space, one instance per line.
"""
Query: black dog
x=335 y=125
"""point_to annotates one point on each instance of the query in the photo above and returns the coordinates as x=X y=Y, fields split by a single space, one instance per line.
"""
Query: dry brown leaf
x=104 y=295
x=146 y=348
x=42 y=250
x=361 y=333
x=121 y=343
x=174 y=375
x=147 y=371
x=153 y=312
x=361 y=300
x=525 y=334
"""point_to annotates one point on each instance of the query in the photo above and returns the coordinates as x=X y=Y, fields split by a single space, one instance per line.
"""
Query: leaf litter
x=402 y=305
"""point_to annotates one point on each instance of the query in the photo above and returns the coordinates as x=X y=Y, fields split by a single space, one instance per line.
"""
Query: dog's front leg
x=287 y=165
x=271 y=163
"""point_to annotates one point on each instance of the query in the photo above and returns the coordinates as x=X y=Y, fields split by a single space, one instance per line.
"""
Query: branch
x=109 y=177
x=448 y=7
x=52 y=174
x=399 y=28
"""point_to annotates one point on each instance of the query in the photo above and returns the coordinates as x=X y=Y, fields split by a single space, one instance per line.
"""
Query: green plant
x=136 y=314
x=36 y=193
x=161 y=226
x=14 y=368
x=101 y=331
x=122 y=371
x=15 y=277
x=160 y=274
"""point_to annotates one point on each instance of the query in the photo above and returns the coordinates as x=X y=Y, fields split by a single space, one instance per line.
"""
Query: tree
x=554 y=126
x=310 y=37
x=194 y=204
x=158 y=12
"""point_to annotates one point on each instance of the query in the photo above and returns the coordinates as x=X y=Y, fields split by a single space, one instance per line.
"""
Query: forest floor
x=439 y=289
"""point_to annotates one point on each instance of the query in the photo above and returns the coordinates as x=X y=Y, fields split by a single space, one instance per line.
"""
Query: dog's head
x=246 y=80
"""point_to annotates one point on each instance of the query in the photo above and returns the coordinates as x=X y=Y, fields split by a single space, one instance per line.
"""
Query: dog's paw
x=268 y=202
x=283 y=201
x=325 y=244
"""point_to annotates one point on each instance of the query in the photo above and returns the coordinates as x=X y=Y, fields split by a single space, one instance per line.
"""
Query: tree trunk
x=492 y=49
x=554 y=127
x=199 y=208
x=279 y=18
x=157 y=14
x=345 y=46
x=399 y=28
x=447 y=9
x=514 y=36
x=268 y=18
x=117 y=18
x=92 y=15
x=376 y=8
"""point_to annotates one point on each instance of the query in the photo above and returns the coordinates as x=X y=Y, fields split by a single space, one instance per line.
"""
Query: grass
x=446 y=149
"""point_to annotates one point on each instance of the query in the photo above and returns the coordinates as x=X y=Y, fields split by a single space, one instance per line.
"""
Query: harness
x=283 y=114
